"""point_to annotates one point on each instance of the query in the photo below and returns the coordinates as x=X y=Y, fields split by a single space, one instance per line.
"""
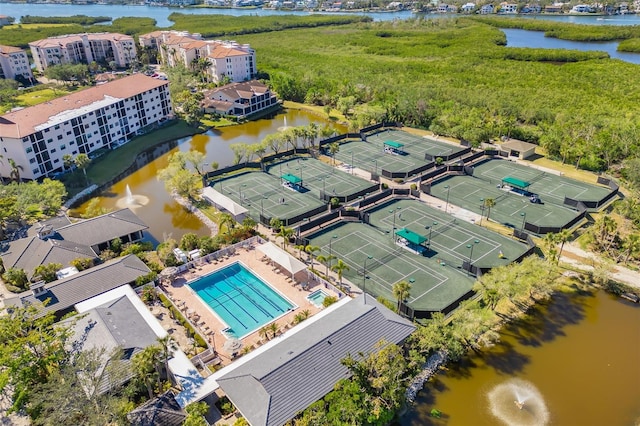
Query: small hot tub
x=317 y=297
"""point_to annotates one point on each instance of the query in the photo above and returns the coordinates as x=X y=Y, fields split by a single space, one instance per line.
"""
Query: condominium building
x=219 y=59
x=84 y=48
x=14 y=63
x=104 y=116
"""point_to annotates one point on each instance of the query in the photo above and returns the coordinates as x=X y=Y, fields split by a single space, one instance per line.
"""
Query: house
x=221 y=59
x=104 y=116
x=114 y=323
x=14 y=64
x=84 y=48
x=518 y=148
x=6 y=20
x=531 y=8
x=60 y=241
x=553 y=8
x=508 y=8
x=239 y=99
x=468 y=7
x=271 y=386
x=160 y=411
x=486 y=9
x=447 y=8
x=582 y=8
x=61 y=295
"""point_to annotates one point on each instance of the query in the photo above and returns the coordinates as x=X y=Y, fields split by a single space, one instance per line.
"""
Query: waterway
x=536 y=39
x=161 y=14
x=164 y=216
x=580 y=352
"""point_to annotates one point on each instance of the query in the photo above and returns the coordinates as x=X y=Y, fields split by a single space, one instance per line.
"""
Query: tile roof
x=160 y=411
x=286 y=378
x=223 y=52
x=18 y=124
x=9 y=49
x=71 y=38
x=86 y=284
x=241 y=90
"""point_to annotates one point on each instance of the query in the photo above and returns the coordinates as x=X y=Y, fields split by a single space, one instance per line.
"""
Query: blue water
x=317 y=297
x=242 y=300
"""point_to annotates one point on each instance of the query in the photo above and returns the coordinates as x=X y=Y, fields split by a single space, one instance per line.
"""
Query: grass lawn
x=334 y=114
x=34 y=97
x=31 y=26
x=105 y=168
x=219 y=122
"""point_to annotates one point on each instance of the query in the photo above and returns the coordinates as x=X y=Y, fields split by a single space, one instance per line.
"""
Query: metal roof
x=291 y=178
x=91 y=282
x=286 y=378
x=393 y=144
x=160 y=411
x=411 y=236
x=518 y=183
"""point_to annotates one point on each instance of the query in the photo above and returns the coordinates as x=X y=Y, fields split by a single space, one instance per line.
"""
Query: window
x=49 y=140
x=33 y=160
x=59 y=137
x=28 y=150
x=63 y=147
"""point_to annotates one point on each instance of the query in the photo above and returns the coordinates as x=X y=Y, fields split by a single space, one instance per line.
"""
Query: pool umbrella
x=232 y=345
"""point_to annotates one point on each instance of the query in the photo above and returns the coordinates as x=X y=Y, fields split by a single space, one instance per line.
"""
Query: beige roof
x=9 y=49
x=245 y=89
x=22 y=123
x=70 y=38
x=517 y=145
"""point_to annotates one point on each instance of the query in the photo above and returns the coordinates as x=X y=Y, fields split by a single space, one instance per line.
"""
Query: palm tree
x=632 y=245
x=67 y=161
x=15 y=170
x=563 y=236
x=334 y=148
x=167 y=346
x=226 y=220
x=273 y=328
x=82 y=162
x=299 y=247
x=145 y=364
x=326 y=260
x=312 y=132
x=285 y=233
x=488 y=203
x=310 y=250
x=401 y=292
x=550 y=241
x=339 y=268
x=249 y=224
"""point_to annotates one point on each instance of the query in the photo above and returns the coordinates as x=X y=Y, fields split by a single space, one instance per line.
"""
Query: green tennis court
x=550 y=187
x=511 y=209
x=261 y=192
x=317 y=176
x=414 y=144
x=437 y=278
x=371 y=157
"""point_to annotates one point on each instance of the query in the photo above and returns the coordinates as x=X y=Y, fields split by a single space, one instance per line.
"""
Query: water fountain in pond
x=518 y=402
x=131 y=201
x=285 y=127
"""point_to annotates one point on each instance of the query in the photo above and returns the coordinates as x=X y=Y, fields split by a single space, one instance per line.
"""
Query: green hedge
x=182 y=320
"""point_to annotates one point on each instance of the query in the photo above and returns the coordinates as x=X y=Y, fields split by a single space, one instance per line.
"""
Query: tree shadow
x=505 y=359
x=420 y=412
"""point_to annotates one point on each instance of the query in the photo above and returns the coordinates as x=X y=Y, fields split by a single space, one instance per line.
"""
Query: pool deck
x=208 y=324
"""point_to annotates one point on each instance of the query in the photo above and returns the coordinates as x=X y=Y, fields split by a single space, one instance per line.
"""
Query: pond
x=580 y=352
x=164 y=216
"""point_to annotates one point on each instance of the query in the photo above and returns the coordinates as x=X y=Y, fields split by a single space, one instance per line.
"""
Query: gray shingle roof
x=113 y=325
x=89 y=283
x=160 y=411
x=31 y=252
x=103 y=228
x=272 y=387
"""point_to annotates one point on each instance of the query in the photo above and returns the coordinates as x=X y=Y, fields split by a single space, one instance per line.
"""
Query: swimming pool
x=317 y=297
x=240 y=299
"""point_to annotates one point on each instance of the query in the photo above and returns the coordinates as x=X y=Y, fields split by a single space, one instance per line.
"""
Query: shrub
x=329 y=300
x=414 y=186
x=82 y=263
x=17 y=278
x=335 y=202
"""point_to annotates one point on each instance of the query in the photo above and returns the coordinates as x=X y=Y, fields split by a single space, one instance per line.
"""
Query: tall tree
x=401 y=291
x=339 y=268
x=82 y=162
x=488 y=204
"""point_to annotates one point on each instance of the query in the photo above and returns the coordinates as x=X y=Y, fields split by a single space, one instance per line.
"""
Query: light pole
x=262 y=205
x=470 y=247
x=524 y=218
x=376 y=166
x=393 y=230
x=430 y=228
x=333 y=237
x=446 y=206
x=352 y=166
x=481 y=207
x=323 y=187
x=364 y=274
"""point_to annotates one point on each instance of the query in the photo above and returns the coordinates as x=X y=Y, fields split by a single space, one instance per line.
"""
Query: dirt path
x=574 y=255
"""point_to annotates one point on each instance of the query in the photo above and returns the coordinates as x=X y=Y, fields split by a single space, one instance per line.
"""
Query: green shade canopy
x=411 y=236
x=393 y=144
x=291 y=178
x=522 y=184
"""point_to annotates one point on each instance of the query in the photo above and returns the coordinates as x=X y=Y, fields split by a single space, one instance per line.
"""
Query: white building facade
x=104 y=116
x=225 y=59
x=14 y=63
x=84 y=48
